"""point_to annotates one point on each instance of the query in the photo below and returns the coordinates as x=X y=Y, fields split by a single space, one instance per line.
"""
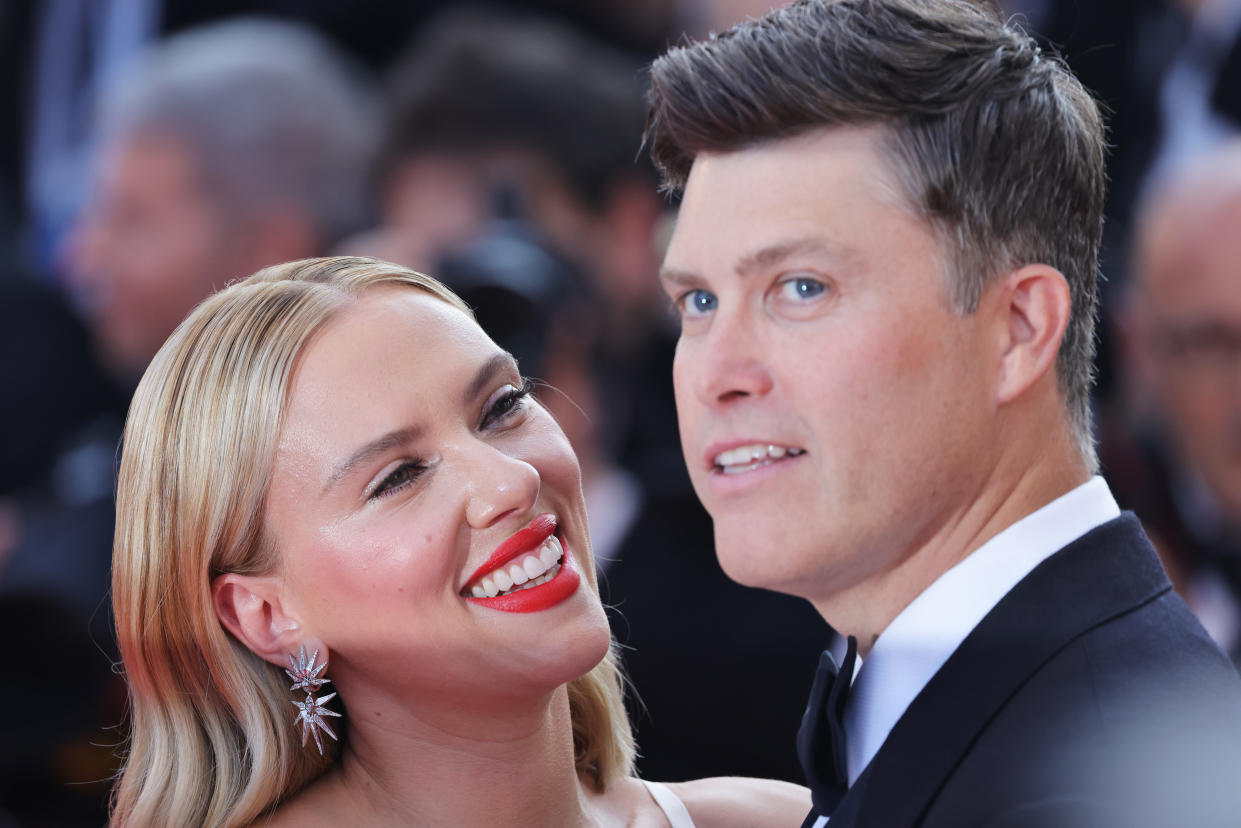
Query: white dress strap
x=672 y=806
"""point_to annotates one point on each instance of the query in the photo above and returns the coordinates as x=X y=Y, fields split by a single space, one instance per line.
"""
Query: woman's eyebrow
x=485 y=374
x=393 y=439
x=488 y=372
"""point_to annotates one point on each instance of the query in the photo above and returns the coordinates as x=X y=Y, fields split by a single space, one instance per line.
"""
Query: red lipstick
x=528 y=599
x=540 y=597
x=519 y=543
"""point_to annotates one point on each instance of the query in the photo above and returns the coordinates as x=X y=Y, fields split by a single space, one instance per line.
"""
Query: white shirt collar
x=919 y=640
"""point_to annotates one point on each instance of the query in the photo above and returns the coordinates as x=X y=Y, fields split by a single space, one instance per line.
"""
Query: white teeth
x=551 y=551
x=544 y=578
x=503 y=579
x=534 y=568
x=752 y=455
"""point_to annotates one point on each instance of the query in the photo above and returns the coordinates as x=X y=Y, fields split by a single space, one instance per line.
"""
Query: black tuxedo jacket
x=1089 y=696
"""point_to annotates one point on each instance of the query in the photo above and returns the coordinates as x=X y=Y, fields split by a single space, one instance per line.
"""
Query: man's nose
x=727 y=364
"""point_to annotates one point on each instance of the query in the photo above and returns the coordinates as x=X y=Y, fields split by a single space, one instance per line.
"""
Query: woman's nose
x=499 y=484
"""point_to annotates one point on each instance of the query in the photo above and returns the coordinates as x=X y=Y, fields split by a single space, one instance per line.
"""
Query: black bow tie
x=821 y=739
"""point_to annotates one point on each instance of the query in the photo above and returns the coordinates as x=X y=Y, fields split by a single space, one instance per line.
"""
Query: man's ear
x=1035 y=304
x=250 y=607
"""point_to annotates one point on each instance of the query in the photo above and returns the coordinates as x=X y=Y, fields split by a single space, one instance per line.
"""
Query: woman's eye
x=404 y=475
x=697 y=302
x=801 y=288
x=507 y=404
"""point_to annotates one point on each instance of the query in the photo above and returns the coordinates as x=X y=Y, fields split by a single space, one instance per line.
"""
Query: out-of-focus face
x=433 y=204
x=1188 y=323
x=151 y=246
x=835 y=411
x=413 y=468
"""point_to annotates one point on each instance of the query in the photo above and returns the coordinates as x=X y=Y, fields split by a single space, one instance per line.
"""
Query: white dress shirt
x=919 y=640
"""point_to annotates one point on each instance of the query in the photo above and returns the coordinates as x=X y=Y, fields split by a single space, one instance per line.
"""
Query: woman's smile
x=532 y=571
x=418 y=480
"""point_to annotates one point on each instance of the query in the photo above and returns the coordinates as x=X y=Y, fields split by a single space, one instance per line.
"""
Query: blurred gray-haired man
x=228 y=148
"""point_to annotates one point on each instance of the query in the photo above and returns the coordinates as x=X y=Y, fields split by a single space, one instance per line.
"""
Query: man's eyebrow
x=672 y=276
x=398 y=437
x=776 y=253
x=371 y=450
x=765 y=257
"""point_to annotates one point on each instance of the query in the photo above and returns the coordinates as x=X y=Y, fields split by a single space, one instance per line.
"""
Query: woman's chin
x=581 y=651
x=580 y=642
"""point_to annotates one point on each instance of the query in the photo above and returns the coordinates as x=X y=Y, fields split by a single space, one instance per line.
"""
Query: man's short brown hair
x=997 y=145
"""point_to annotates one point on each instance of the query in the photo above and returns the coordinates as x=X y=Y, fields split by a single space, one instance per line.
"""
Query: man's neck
x=866 y=609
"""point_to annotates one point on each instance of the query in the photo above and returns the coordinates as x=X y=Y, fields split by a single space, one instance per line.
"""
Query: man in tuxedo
x=885 y=267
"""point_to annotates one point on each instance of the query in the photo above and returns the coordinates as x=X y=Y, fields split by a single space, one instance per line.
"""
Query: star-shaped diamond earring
x=305 y=674
x=310 y=714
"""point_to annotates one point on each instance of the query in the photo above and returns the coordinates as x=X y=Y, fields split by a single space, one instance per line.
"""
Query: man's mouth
x=532 y=569
x=747 y=458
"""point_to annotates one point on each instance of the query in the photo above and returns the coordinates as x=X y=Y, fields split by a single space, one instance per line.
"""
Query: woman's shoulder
x=743 y=801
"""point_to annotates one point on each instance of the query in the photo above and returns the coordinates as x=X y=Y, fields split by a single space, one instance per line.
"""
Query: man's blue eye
x=697 y=302
x=801 y=288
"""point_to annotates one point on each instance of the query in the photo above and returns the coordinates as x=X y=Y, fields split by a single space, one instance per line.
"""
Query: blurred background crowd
x=154 y=151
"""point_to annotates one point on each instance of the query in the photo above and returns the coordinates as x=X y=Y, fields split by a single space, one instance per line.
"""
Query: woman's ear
x=1036 y=306
x=250 y=607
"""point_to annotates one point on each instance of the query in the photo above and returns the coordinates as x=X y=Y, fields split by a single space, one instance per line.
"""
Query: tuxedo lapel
x=1107 y=572
x=846 y=813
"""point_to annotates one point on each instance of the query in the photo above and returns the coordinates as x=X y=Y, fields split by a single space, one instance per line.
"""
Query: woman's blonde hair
x=212 y=741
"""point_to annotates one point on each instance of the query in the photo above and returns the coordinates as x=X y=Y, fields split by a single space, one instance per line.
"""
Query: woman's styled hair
x=212 y=738
x=998 y=147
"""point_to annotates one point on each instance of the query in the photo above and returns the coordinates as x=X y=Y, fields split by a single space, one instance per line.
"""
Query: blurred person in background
x=58 y=56
x=55 y=529
x=1181 y=471
x=1168 y=74
x=228 y=148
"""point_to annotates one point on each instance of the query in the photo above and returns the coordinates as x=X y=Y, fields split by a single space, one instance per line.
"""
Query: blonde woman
x=333 y=480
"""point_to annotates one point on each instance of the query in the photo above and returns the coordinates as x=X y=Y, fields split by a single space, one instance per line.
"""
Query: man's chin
x=752 y=568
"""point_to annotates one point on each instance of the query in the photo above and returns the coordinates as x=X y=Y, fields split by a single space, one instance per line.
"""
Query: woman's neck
x=429 y=767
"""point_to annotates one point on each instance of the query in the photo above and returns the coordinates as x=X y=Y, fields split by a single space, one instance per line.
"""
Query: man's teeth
x=530 y=570
x=744 y=458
